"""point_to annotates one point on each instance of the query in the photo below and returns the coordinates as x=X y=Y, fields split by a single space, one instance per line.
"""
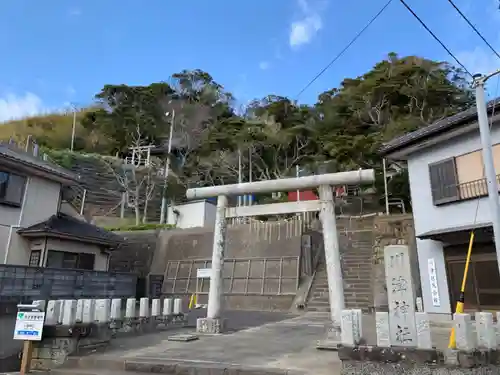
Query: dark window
x=86 y=261
x=62 y=259
x=444 y=181
x=35 y=258
x=11 y=188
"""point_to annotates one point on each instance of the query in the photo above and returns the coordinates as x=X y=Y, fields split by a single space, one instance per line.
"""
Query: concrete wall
x=430 y=217
x=257 y=287
x=243 y=241
x=153 y=251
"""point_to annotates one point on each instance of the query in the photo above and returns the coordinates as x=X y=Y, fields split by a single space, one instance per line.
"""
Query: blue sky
x=63 y=51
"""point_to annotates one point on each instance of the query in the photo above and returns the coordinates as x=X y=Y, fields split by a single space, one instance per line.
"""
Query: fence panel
x=275 y=276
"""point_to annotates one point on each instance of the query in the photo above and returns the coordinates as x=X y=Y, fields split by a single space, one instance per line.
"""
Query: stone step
x=318 y=309
x=315 y=302
x=90 y=371
x=156 y=365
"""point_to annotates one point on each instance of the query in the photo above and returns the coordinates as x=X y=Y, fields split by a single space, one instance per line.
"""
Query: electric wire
x=473 y=27
x=435 y=37
x=344 y=50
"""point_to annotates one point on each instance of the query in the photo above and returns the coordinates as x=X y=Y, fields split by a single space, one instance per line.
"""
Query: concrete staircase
x=356 y=243
x=318 y=297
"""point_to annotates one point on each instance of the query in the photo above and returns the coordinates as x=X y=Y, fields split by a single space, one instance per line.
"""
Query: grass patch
x=133 y=228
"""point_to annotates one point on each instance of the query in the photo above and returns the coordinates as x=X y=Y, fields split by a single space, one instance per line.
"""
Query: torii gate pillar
x=214 y=322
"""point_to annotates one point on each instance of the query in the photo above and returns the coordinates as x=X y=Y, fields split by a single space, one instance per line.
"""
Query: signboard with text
x=29 y=326
x=203 y=273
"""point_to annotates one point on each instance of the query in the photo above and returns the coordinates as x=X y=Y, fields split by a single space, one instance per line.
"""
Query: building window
x=35 y=258
x=11 y=188
x=63 y=259
x=444 y=181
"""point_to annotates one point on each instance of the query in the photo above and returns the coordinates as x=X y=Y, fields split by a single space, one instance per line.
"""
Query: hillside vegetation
x=273 y=135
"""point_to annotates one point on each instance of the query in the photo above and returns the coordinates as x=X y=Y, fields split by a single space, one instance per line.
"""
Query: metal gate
x=277 y=276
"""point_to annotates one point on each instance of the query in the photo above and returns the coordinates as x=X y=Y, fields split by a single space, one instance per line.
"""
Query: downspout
x=21 y=214
x=43 y=258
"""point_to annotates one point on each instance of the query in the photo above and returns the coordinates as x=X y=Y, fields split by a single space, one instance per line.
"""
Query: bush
x=132 y=228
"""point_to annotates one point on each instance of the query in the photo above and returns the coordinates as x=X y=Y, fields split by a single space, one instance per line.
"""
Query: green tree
x=126 y=114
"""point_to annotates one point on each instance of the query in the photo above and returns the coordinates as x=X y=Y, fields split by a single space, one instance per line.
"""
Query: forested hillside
x=272 y=135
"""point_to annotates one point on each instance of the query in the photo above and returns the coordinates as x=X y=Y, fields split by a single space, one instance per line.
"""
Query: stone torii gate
x=214 y=323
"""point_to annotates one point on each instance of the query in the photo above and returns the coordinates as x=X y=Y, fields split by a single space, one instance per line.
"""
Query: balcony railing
x=464 y=191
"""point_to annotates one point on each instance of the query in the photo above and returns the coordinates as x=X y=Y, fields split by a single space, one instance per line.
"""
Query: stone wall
x=136 y=252
x=391 y=230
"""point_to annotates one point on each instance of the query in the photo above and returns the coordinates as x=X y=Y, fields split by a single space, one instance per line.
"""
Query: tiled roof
x=29 y=160
x=62 y=224
x=462 y=118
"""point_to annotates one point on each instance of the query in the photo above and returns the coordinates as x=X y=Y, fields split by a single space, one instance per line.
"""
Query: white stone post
x=102 y=310
x=116 y=314
x=79 y=311
x=382 y=329
x=156 y=308
x=53 y=312
x=464 y=332
x=89 y=311
x=168 y=307
x=144 y=308
x=213 y=322
x=332 y=260
x=69 y=312
x=485 y=330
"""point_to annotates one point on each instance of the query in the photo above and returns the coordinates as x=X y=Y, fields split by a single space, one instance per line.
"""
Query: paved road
x=280 y=342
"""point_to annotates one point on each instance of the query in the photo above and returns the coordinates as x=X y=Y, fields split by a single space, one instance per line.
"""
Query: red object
x=307 y=195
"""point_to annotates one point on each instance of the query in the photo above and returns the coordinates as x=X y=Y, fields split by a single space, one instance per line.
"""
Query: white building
x=38 y=225
x=448 y=193
x=199 y=213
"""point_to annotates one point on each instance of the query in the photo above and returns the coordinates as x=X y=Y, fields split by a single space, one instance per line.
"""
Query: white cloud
x=303 y=30
x=70 y=91
x=479 y=60
x=75 y=12
x=15 y=107
x=264 y=65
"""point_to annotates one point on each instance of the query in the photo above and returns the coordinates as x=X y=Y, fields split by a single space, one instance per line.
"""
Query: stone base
x=211 y=326
x=332 y=340
x=369 y=360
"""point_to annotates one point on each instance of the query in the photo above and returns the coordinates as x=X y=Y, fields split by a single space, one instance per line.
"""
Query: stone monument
x=400 y=296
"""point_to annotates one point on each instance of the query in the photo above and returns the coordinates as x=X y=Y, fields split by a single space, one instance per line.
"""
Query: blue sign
x=28 y=333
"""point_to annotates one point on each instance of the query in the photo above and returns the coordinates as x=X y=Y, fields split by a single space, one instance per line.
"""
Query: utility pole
x=240 y=177
x=167 y=170
x=73 y=131
x=487 y=150
x=386 y=193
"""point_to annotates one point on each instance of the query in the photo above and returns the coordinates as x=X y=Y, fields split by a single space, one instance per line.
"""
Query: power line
x=435 y=37
x=473 y=27
x=341 y=53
